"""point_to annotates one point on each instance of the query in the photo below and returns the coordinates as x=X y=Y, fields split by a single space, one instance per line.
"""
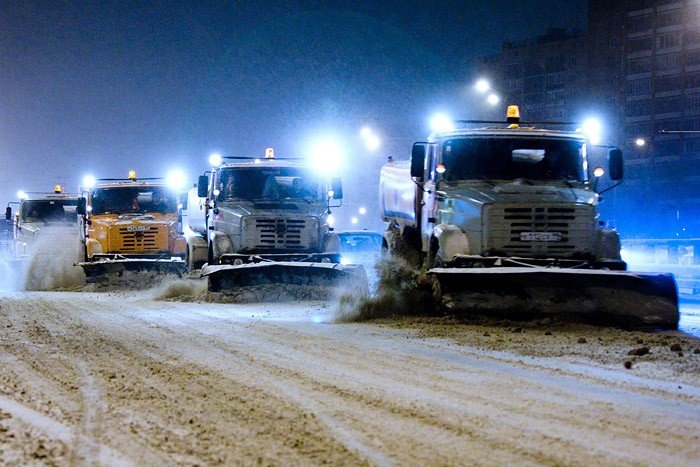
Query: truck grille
x=539 y=231
x=280 y=234
x=124 y=240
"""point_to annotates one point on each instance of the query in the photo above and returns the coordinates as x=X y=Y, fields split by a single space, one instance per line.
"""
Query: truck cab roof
x=37 y=196
x=521 y=131
x=130 y=183
x=275 y=163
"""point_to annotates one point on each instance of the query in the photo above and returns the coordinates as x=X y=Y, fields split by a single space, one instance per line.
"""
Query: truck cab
x=263 y=209
x=40 y=214
x=131 y=218
x=494 y=196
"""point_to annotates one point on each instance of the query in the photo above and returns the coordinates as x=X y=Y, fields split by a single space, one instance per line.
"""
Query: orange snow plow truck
x=130 y=225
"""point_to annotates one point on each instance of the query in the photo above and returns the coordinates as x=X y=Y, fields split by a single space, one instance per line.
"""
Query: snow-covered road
x=121 y=378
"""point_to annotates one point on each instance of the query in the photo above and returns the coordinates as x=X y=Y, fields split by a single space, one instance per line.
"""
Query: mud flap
x=110 y=269
x=626 y=299
x=232 y=277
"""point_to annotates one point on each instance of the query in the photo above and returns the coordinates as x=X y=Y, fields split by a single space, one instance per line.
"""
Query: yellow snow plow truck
x=130 y=225
x=505 y=220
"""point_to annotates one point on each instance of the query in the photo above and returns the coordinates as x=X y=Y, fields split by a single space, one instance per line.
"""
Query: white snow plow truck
x=49 y=215
x=265 y=221
x=505 y=221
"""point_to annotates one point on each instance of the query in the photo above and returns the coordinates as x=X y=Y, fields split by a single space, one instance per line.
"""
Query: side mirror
x=337 y=187
x=615 y=164
x=202 y=186
x=418 y=160
x=81 y=208
x=8 y=213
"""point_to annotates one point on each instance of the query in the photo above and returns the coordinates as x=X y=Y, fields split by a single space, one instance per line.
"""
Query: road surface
x=122 y=378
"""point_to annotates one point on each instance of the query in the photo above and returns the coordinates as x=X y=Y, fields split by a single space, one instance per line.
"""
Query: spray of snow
x=49 y=264
x=402 y=289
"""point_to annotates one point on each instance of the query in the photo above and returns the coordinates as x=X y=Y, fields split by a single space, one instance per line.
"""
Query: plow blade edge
x=628 y=299
x=232 y=277
x=104 y=270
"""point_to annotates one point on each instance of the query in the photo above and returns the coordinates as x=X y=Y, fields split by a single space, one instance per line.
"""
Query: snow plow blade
x=625 y=299
x=108 y=269
x=231 y=277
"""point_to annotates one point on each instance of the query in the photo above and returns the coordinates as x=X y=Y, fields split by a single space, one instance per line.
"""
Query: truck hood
x=518 y=192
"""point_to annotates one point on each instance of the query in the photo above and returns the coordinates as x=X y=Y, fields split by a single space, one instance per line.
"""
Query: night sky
x=101 y=87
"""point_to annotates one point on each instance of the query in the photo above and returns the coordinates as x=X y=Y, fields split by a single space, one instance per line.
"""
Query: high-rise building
x=638 y=69
x=545 y=75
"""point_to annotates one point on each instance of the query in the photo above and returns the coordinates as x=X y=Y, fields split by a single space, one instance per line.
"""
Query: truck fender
x=607 y=244
x=451 y=241
x=221 y=243
x=92 y=247
x=331 y=243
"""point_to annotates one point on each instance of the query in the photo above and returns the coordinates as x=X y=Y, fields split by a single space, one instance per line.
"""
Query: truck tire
x=434 y=258
x=192 y=262
x=210 y=255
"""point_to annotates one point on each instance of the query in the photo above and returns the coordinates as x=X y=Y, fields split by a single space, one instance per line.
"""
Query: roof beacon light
x=132 y=175
x=57 y=189
x=513 y=116
x=269 y=153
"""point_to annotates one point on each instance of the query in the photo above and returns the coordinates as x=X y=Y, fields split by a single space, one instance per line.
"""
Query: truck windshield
x=269 y=183
x=514 y=158
x=137 y=200
x=49 y=211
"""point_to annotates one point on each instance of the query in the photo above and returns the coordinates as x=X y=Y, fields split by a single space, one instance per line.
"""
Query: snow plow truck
x=256 y=221
x=130 y=225
x=50 y=214
x=504 y=219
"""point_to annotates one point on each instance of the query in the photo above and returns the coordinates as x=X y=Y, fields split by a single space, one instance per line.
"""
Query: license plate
x=540 y=236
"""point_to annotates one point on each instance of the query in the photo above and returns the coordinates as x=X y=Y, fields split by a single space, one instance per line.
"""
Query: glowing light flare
x=593 y=129
x=354 y=220
x=441 y=122
x=326 y=156
x=440 y=168
x=482 y=86
x=331 y=220
x=365 y=132
x=22 y=195
x=176 y=179
x=372 y=143
x=640 y=142
x=599 y=171
x=215 y=159
x=89 y=181
x=362 y=211
x=493 y=99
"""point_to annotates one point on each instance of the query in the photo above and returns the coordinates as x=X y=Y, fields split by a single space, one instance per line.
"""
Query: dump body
x=132 y=225
x=478 y=200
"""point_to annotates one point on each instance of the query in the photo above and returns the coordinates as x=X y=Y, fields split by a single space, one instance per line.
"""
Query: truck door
x=428 y=214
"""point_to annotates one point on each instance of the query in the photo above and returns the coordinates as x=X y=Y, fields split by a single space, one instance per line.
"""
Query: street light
x=640 y=142
x=482 y=86
x=372 y=141
x=493 y=99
